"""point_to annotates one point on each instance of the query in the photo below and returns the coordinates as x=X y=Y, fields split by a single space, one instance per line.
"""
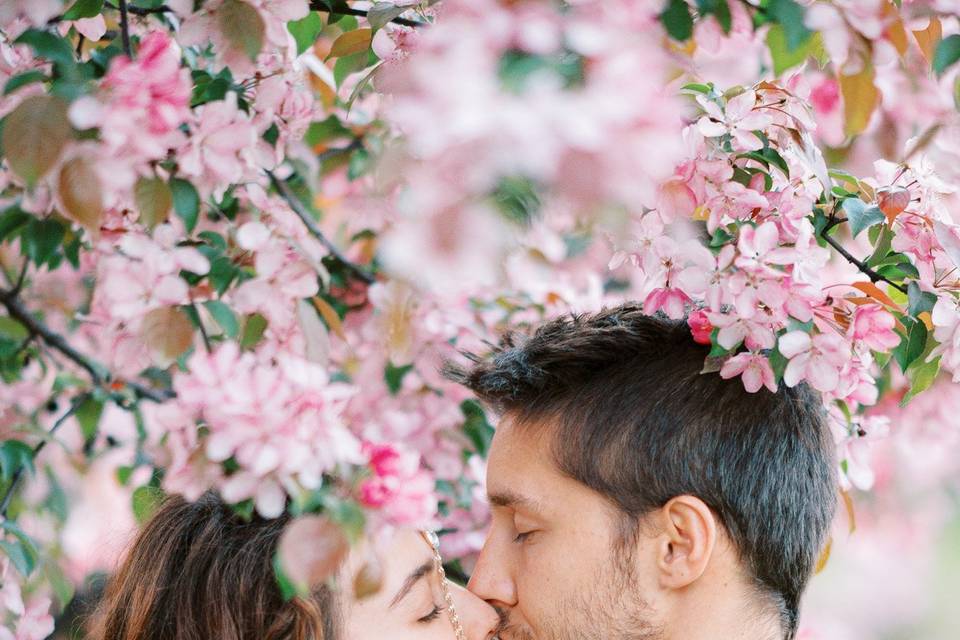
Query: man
x=635 y=497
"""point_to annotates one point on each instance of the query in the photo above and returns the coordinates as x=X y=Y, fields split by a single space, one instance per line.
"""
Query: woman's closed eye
x=433 y=615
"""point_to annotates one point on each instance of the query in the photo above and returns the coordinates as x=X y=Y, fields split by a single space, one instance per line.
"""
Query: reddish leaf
x=351 y=42
x=81 y=193
x=311 y=550
x=34 y=135
x=168 y=332
x=242 y=27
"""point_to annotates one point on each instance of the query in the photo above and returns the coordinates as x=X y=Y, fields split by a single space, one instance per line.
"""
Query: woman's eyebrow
x=411 y=580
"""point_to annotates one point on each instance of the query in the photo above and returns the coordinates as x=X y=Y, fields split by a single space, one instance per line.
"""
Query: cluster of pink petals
x=466 y=134
x=399 y=490
x=279 y=420
x=22 y=621
x=143 y=102
x=203 y=26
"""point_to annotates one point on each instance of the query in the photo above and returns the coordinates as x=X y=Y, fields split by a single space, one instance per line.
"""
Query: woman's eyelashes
x=433 y=615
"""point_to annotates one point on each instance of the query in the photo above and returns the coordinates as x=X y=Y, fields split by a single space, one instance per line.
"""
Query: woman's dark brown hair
x=198 y=571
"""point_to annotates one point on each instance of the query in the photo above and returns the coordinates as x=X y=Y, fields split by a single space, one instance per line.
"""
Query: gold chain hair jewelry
x=438 y=560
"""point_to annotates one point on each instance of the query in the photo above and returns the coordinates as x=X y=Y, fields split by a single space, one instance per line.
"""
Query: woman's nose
x=479 y=619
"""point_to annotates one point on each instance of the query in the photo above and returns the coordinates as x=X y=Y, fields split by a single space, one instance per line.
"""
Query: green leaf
x=948 y=52
x=677 y=20
x=153 y=199
x=697 y=87
x=860 y=215
x=34 y=135
x=393 y=375
x=348 y=65
x=881 y=246
x=186 y=202
x=47 y=45
x=224 y=317
x=84 y=9
x=719 y=9
x=911 y=345
x=383 y=12
x=306 y=30
x=20 y=556
x=146 y=499
x=12 y=220
x=783 y=56
x=242 y=27
x=921 y=376
x=15 y=455
x=253 y=330
x=919 y=300
x=10 y=329
x=41 y=239
x=88 y=415
x=790 y=15
x=22 y=80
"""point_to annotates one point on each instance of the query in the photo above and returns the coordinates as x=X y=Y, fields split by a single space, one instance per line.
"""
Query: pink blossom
x=874 y=326
x=818 y=359
x=143 y=103
x=400 y=491
x=700 y=327
x=754 y=368
x=738 y=118
x=946 y=331
x=222 y=148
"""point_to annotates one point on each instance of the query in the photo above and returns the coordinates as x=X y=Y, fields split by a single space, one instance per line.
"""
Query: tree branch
x=97 y=372
x=18 y=474
x=284 y=190
x=316 y=5
x=125 y=28
x=141 y=11
x=859 y=264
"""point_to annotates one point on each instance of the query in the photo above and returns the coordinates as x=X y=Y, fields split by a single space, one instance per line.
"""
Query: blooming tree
x=238 y=238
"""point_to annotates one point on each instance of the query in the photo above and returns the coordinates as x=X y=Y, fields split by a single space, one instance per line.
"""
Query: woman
x=197 y=571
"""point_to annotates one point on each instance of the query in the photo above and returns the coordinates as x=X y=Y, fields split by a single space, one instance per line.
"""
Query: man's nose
x=492 y=577
x=478 y=619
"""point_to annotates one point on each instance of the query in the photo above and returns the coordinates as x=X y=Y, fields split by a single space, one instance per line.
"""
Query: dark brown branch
x=859 y=264
x=315 y=5
x=284 y=190
x=97 y=372
x=18 y=474
x=141 y=11
x=125 y=28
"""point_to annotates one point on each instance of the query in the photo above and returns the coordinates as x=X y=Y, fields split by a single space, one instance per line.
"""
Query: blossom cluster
x=239 y=237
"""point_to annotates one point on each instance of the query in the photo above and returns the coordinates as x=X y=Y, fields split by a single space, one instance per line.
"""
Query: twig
x=203 y=330
x=125 y=28
x=97 y=372
x=861 y=265
x=315 y=5
x=284 y=190
x=18 y=474
x=141 y=11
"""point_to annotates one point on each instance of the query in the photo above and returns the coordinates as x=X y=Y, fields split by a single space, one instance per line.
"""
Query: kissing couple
x=633 y=498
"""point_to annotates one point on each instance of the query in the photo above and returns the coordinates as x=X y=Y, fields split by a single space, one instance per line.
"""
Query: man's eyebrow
x=411 y=580
x=511 y=500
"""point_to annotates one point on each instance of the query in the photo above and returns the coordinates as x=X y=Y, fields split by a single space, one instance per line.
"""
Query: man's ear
x=687 y=541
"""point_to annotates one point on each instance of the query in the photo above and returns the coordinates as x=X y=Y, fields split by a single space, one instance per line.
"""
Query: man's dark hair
x=634 y=419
